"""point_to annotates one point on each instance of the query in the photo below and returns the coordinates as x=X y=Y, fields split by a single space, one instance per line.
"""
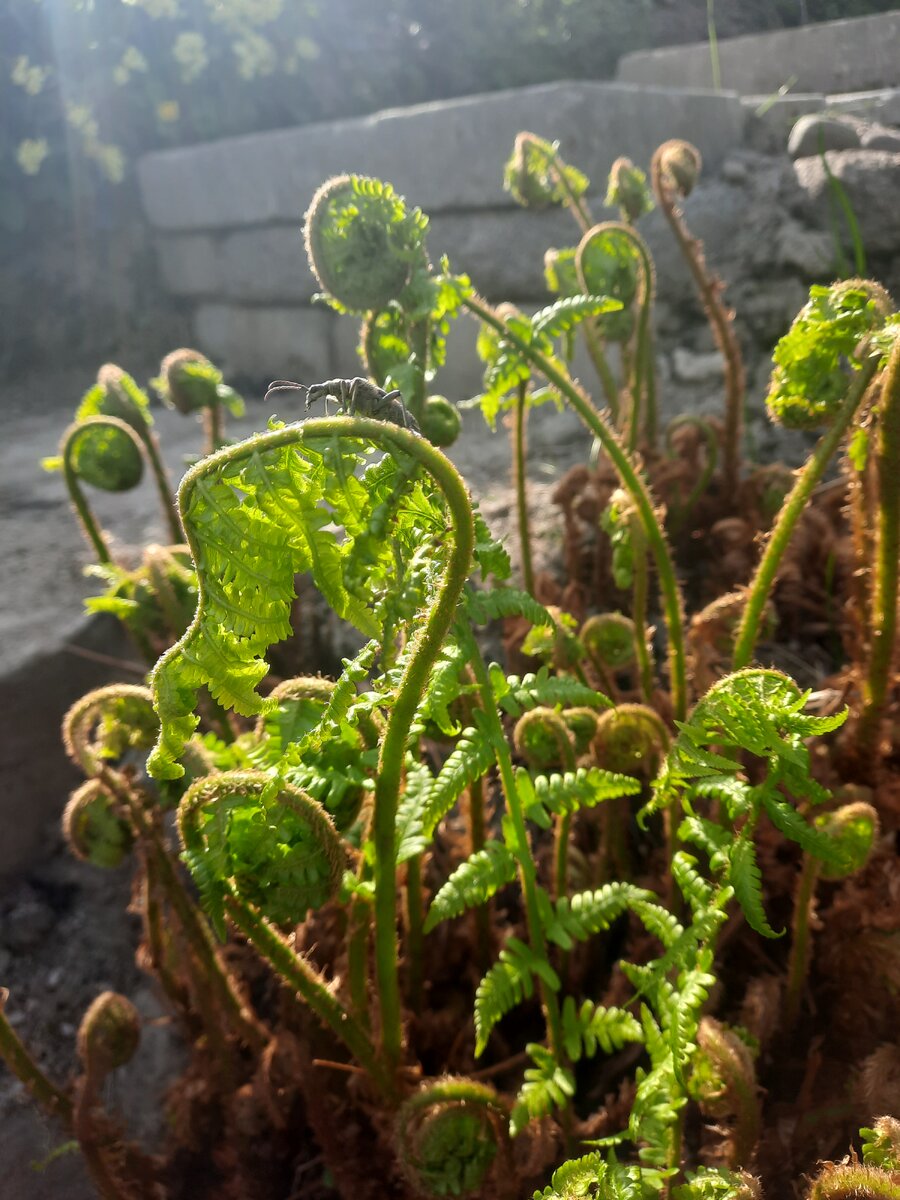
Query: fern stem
x=883 y=618
x=212 y=427
x=791 y=511
x=414 y=923
x=51 y=1098
x=519 y=454
x=639 y=610
x=576 y=206
x=720 y=319
x=196 y=931
x=306 y=981
x=604 y=371
x=522 y=847
x=798 y=964
x=632 y=482
x=477 y=838
x=358 y=960
x=89 y=525
x=644 y=371
x=418 y=337
x=163 y=487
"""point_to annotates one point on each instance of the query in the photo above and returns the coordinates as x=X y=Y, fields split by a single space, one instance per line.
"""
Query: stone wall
x=228 y=219
x=835 y=56
x=228 y=214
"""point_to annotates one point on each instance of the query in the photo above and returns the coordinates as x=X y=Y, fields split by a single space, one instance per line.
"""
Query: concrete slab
x=445 y=156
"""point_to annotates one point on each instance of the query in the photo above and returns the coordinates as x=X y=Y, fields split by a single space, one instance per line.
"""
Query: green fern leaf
x=509 y=981
x=567 y=314
x=546 y=796
x=494 y=604
x=517 y=695
x=473 y=883
x=471 y=757
x=578 y=917
x=593 y=1027
x=547 y=1086
x=746 y=880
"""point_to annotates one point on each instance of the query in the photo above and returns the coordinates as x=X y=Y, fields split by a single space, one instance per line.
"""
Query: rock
x=27 y=924
x=871 y=179
x=767 y=307
x=689 y=367
x=808 y=251
x=880 y=137
x=735 y=171
x=815 y=133
x=770 y=120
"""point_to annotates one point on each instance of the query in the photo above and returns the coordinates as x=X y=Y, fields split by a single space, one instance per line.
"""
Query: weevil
x=355 y=397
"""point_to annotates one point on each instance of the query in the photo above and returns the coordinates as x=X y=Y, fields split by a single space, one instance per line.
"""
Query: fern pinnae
x=473 y=883
x=509 y=981
x=595 y=1026
x=472 y=757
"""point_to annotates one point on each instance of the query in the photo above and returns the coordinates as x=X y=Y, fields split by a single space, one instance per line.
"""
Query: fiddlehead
x=628 y=191
x=852 y=831
x=94 y=828
x=613 y=259
x=723 y=1081
x=609 y=642
x=251 y=543
x=107 y=722
x=536 y=177
x=106 y=453
x=823 y=368
x=447 y=1136
x=189 y=382
x=108 y=1038
x=855 y=1182
x=674 y=171
x=108 y=1035
x=363 y=244
x=631 y=739
x=262 y=852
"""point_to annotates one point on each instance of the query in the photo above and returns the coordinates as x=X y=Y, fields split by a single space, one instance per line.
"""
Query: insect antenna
x=283 y=385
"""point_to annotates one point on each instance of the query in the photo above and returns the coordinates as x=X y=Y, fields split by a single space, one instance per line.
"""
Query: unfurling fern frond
x=255 y=515
x=547 y=1085
x=590 y=1178
x=445 y=686
x=594 y=1026
x=471 y=757
x=517 y=695
x=270 y=842
x=447 y=1135
x=715 y=1183
x=509 y=981
x=473 y=883
x=107 y=722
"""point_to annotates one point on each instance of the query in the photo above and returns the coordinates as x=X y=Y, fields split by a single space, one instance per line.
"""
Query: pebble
x=813 y=134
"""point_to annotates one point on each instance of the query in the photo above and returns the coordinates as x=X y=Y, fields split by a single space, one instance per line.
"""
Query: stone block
x=264 y=266
x=831 y=56
x=190 y=264
x=267 y=343
x=503 y=252
x=871 y=179
x=769 y=123
x=815 y=133
x=445 y=156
